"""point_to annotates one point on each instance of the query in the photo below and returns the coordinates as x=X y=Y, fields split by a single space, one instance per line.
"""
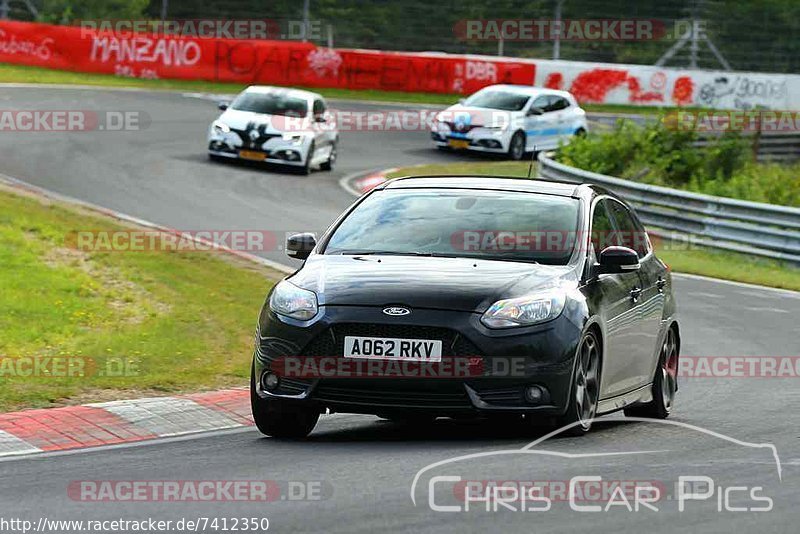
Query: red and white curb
x=127 y=421
x=360 y=183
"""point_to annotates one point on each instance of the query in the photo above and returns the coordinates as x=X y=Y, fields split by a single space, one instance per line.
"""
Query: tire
x=580 y=132
x=305 y=170
x=585 y=391
x=328 y=165
x=279 y=419
x=665 y=382
x=516 y=148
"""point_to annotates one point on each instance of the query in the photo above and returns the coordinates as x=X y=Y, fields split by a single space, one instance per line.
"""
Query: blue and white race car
x=510 y=119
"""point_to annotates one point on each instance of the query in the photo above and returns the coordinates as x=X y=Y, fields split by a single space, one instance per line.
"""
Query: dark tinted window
x=494 y=99
x=603 y=233
x=476 y=224
x=542 y=102
x=559 y=103
x=631 y=234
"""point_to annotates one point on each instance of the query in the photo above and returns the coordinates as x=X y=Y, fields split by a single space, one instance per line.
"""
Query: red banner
x=251 y=61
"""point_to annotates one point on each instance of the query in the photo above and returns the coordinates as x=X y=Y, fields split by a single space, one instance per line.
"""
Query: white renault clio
x=510 y=119
x=276 y=125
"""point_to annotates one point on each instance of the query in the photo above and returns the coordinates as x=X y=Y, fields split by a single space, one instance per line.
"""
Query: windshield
x=505 y=100
x=271 y=104
x=497 y=225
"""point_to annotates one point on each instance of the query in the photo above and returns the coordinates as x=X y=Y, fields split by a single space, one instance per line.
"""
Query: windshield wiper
x=383 y=253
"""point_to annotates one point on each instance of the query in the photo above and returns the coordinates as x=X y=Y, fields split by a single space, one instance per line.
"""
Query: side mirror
x=618 y=260
x=535 y=111
x=222 y=106
x=299 y=246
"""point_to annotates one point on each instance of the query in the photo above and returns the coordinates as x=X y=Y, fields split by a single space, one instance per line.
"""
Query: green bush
x=657 y=154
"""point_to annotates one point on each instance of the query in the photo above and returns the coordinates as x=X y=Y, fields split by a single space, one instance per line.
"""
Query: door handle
x=660 y=284
x=636 y=292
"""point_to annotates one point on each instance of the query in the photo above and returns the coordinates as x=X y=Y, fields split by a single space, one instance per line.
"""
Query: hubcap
x=587 y=381
x=669 y=370
x=518 y=147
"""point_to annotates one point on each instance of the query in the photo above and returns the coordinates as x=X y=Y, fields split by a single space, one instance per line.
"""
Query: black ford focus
x=470 y=297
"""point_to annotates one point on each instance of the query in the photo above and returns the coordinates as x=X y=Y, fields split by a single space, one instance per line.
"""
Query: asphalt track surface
x=366 y=466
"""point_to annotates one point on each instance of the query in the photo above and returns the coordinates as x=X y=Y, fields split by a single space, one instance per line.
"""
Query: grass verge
x=133 y=324
x=697 y=260
x=25 y=74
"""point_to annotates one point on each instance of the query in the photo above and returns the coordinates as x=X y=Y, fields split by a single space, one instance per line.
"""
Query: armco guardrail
x=725 y=223
x=767 y=146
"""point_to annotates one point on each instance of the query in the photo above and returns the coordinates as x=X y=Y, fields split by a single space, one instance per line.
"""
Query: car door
x=653 y=275
x=650 y=303
x=612 y=297
x=540 y=129
x=562 y=118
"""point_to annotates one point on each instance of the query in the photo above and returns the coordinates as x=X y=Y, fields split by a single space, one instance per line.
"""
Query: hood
x=474 y=117
x=241 y=120
x=459 y=284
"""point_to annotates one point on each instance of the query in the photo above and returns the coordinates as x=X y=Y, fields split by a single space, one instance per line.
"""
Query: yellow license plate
x=252 y=155
x=458 y=143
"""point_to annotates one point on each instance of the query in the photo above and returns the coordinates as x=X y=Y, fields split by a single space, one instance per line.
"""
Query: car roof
x=489 y=183
x=529 y=90
x=288 y=91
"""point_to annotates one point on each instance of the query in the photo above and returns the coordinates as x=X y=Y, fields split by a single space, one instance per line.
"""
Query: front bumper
x=480 y=140
x=482 y=370
x=275 y=150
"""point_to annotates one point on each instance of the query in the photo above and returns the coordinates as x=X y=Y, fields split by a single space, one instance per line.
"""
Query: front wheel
x=516 y=148
x=582 y=404
x=665 y=382
x=306 y=169
x=331 y=161
x=279 y=419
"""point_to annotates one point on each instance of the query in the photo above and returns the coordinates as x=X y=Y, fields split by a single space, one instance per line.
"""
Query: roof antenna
x=533 y=158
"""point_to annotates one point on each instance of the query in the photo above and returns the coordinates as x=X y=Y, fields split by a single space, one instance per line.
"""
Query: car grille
x=292 y=386
x=444 y=393
x=394 y=393
x=331 y=342
x=244 y=135
x=502 y=396
x=461 y=128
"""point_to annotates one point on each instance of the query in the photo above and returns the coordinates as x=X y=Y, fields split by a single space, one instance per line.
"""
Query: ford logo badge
x=396 y=311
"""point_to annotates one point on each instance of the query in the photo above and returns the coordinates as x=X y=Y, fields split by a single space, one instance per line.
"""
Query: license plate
x=252 y=155
x=387 y=348
x=458 y=143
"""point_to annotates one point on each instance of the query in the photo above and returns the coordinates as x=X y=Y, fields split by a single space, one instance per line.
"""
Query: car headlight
x=525 y=311
x=289 y=300
x=220 y=127
x=295 y=138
